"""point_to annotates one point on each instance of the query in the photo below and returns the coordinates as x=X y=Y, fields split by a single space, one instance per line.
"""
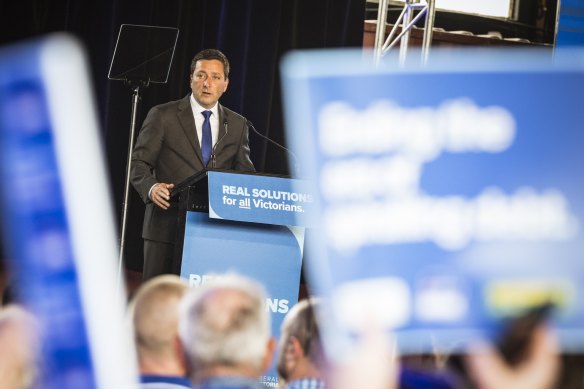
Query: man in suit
x=179 y=139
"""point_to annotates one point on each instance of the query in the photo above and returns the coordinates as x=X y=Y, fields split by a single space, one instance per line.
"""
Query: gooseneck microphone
x=250 y=125
x=216 y=143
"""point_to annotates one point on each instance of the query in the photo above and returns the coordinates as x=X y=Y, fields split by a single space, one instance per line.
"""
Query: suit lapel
x=187 y=121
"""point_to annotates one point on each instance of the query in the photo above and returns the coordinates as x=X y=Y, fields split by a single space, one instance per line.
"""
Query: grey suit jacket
x=168 y=150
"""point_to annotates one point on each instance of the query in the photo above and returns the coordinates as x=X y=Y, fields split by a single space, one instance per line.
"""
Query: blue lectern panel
x=269 y=254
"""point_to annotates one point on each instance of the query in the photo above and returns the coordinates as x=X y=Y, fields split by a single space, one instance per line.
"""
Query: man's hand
x=160 y=195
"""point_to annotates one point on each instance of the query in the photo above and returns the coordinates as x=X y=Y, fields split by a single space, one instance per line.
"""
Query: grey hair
x=232 y=334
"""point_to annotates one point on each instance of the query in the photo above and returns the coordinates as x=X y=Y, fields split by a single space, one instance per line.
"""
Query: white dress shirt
x=199 y=119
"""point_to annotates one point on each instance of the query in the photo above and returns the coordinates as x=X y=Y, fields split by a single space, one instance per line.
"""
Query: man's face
x=208 y=82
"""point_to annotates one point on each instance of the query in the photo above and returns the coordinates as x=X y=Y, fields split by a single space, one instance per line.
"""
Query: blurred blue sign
x=57 y=220
x=449 y=196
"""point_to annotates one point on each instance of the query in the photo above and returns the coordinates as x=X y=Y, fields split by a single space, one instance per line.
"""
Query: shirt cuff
x=150 y=191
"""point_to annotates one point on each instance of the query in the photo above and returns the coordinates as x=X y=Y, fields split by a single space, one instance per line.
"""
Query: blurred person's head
x=154 y=312
x=18 y=348
x=301 y=353
x=225 y=329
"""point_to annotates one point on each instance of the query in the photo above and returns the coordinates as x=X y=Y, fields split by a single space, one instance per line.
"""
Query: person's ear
x=226 y=84
x=293 y=353
x=296 y=347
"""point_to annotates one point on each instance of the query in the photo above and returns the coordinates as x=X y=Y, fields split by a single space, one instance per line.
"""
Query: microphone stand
x=295 y=158
x=216 y=143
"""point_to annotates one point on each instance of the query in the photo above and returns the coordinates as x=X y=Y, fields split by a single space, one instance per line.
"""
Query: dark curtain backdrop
x=254 y=34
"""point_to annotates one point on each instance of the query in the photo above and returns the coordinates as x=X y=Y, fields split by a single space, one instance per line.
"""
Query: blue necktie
x=206 y=143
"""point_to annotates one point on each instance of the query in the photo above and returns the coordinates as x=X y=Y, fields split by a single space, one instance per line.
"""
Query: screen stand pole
x=135 y=101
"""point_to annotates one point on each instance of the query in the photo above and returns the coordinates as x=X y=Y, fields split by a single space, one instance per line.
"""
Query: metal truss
x=407 y=20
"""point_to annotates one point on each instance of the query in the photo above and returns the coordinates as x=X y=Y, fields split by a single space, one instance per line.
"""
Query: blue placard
x=57 y=220
x=35 y=218
x=260 y=199
x=449 y=196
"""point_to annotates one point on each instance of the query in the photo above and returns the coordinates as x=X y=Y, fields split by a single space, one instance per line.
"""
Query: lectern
x=252 y=224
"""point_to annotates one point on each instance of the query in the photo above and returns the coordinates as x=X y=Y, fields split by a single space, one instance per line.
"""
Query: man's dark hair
x=208 y=54
x=302 y=324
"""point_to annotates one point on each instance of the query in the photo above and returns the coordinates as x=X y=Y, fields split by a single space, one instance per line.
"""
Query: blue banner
x=449 y=196
x=57 y=220
x=260 y=199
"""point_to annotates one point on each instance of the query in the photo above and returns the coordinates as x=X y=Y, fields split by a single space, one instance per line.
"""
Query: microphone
x=250 y=124
x=216 y=143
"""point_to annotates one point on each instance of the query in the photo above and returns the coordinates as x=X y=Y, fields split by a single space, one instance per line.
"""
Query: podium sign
x=450 y=196
x=259 y=199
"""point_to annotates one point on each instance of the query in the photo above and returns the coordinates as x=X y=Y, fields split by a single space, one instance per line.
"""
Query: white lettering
x=283 y=306
x=277 y=305
x=452 y=222
x=385 y=203
x=228 y=200
x=235 y=190
x=420 y=133
x=196 y=280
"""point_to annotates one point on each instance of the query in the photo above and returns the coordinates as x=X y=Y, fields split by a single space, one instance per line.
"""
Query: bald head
x=154 y=315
